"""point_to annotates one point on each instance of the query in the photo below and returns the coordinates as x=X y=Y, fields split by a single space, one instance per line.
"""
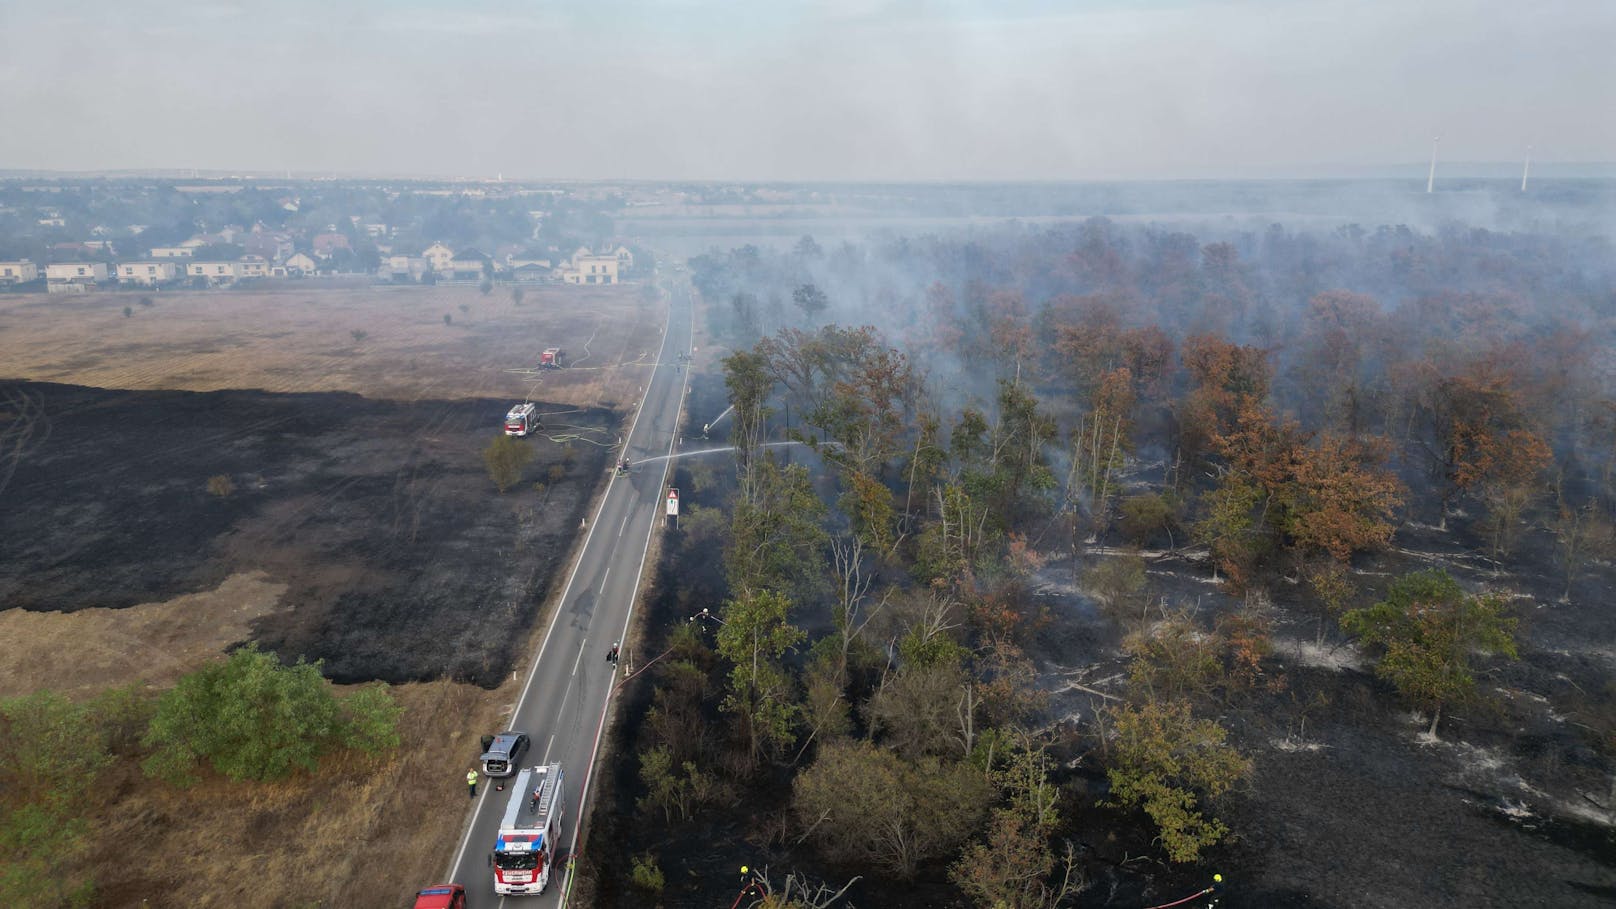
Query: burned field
x=401 y=560
x=324 y=439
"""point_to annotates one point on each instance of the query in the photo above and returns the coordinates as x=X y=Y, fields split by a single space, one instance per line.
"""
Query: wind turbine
x=1430 y=179
x=1526 y=170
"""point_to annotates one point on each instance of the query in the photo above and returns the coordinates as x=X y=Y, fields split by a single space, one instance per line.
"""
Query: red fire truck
x=550 y=359
x=522 y=419
x=525 y=852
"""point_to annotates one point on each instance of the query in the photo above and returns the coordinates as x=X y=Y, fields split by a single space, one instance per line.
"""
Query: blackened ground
x=403 y=562
x=1349 y=804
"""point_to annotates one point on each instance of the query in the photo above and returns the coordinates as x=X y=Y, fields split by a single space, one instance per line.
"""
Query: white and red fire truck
x=525 y=852
x=522 y=419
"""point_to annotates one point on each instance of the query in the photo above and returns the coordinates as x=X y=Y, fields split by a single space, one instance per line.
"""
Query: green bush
x=645 y=874
x=51 y=751
x=252 y=718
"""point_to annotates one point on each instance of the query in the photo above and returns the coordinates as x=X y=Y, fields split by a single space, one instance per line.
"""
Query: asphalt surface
x=563 y=705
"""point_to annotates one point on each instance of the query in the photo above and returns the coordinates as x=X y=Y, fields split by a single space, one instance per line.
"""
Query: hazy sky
x=779 y=89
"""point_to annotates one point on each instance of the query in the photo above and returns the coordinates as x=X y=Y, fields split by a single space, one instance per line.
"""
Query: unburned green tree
x=1169 y=763
x=1427 y=634
x=776 y=541
x=864 y=804
x=370 y=720
x=505 y=458
x=754 y=637
x=251 y=718
x=1146 y=516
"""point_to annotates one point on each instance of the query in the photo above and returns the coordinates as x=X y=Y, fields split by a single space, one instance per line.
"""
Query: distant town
x=68 y=236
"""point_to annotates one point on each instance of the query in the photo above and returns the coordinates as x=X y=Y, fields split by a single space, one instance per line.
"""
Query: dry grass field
x=299 y=338
x=324 y=839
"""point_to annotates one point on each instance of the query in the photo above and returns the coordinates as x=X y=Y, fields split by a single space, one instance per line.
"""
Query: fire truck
x=524 y=854
x=522 y=419
x=550 y=359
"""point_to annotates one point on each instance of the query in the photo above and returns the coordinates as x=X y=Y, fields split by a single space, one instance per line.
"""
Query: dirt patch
x=152 y=643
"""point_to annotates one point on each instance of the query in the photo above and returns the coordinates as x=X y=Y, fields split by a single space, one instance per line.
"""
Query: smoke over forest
x=1147 y=520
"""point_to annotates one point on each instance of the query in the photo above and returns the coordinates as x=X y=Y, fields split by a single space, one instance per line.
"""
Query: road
x=563 y=704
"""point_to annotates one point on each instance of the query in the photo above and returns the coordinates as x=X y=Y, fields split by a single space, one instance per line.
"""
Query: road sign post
x=673 y=506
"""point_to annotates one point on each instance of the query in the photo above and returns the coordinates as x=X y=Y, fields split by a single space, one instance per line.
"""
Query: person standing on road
x=611 y=655
x=471 y=781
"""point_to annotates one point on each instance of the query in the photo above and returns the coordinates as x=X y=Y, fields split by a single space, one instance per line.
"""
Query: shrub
x=645 y=874
x=252 y=718
x=1168 y=762
x=221 y=485
x=505 y=458
x=1146 y=516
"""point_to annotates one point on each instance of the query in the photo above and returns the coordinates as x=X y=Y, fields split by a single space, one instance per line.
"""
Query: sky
x=789 y=90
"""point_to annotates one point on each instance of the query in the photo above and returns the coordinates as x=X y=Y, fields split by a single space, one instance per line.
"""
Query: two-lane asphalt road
x=564 y=701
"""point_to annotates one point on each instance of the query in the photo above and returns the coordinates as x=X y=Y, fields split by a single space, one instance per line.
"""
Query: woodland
x=1393 y=449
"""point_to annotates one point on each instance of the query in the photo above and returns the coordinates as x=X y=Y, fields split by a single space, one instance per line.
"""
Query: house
x=252 y=267
x=272 y=245
x=400 y=269
x=21 y=271
x=327 y=244
x=439 y=256
x=147 y=274
x=468 y=266
x=172 y=252
x=214 y=273
x=625 y=259
x=299 y=264
x=588 y=268
x=532 y=272
x=73 y=276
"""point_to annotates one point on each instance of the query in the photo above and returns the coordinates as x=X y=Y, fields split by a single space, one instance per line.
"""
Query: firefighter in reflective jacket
x=471 y=782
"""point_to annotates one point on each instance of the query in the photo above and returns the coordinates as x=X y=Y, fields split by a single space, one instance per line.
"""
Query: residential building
x=439 y=256
x=588 y=268
x=300 y=264
x=214 y=272
x=19 y=272
x=76 y=272
x=272 y=245
x=625 y=259
x=172 y=252
x=327 y=244
x=147 y=274
x=402 y=268
x=532 y=272
x=468 y=266
x=252 y=267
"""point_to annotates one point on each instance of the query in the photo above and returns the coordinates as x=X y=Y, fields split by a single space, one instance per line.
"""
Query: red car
x=441 y=896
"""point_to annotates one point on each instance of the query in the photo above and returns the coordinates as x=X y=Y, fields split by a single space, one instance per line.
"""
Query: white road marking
x=548 y=745
x=603 y=576
x=580 y=658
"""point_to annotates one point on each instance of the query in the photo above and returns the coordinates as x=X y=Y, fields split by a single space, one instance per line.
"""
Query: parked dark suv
x=502 y=753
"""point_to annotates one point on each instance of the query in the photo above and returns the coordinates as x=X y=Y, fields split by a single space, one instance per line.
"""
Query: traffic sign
x=673 y=502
